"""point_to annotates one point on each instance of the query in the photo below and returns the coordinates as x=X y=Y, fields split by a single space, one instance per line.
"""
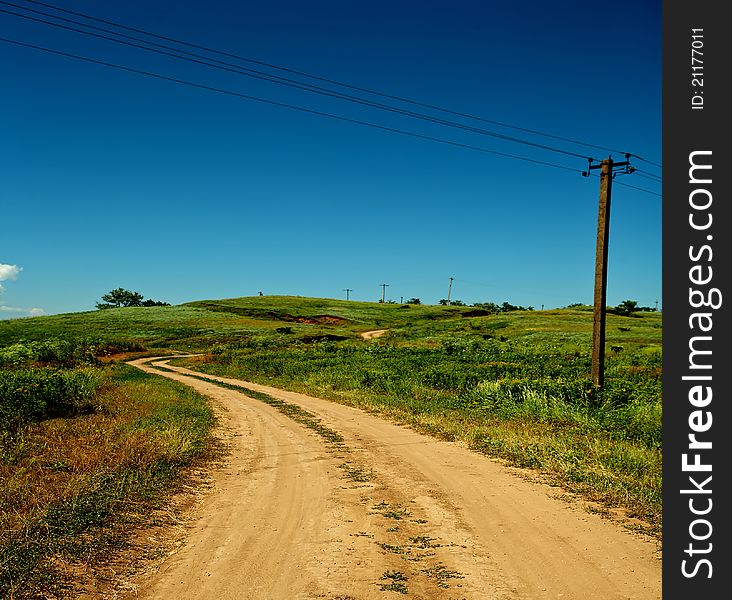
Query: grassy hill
x=199 y=325
x=513 y=385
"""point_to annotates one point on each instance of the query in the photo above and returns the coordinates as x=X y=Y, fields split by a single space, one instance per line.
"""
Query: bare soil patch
x=374 y=333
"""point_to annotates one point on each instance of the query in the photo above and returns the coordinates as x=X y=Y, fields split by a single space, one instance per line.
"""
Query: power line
x=637 y=188
x=331 y=81
x=285 y=105
x=273 y=79
x=655 y=179
x=648 y=173
x=650 y=162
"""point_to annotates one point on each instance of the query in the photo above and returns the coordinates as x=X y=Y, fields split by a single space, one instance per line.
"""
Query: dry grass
x=72 y=489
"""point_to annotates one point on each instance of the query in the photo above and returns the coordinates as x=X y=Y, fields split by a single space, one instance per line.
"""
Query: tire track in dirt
x=295 y=517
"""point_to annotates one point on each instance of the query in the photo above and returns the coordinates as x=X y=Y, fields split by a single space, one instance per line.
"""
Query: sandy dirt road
x=374 y=333
x=386 y=510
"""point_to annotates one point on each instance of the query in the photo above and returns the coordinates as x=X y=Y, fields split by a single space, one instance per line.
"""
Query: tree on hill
x=444 y=302
x=489 y=306
x=626 y=308
x=508 y=307
x=121 y=298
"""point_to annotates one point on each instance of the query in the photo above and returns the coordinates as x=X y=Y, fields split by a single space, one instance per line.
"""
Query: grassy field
x=513 y=385
x=87 y=452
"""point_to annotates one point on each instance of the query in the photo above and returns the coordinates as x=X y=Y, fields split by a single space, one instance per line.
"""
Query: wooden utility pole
x=603 y=233
x=383 y=291
x=347 y=290
x=449 y=291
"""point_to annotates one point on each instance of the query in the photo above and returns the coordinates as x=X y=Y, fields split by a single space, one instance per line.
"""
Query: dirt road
x=345 y=505
x=374 y=333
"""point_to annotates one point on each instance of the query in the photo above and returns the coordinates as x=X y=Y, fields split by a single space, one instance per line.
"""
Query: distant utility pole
x=383 y=291
x=656 y=305
x=348 y=291
x=607 y=172
x=449 y=291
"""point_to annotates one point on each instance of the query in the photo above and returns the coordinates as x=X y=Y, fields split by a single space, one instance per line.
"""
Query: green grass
x=197 y=325
x=396 y=582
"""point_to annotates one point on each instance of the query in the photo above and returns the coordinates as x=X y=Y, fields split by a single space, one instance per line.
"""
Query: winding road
x=342 y=504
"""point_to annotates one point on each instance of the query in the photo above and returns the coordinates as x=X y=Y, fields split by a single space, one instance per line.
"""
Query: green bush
x=62 y=352
x=35 y=394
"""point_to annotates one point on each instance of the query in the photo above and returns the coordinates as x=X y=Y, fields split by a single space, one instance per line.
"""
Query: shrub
x=35 y=394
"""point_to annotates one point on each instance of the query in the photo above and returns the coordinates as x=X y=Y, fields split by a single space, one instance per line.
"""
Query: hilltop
x=200 y=324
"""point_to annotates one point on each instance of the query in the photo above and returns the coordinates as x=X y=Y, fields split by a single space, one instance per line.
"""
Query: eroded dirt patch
x=374 y=333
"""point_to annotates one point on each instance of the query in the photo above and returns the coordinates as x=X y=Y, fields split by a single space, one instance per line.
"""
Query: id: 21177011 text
x=697 y=69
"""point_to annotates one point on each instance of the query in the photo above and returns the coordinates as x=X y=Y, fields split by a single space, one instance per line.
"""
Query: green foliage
x=493 y=307
x=508 y=307
x=35 y=394
x=119 y=298
x=53 y=378
x=58 y=352
x=396 y=582
x=63 y=352
x=510 y=379
x=625 y=309
x=488 y=306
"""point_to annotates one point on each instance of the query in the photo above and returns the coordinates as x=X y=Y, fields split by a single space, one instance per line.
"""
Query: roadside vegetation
x=87 y=451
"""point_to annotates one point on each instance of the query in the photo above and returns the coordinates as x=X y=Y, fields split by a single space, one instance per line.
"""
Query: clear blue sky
x=112 y=179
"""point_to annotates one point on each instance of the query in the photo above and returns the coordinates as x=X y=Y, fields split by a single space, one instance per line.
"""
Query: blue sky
x=113 y=179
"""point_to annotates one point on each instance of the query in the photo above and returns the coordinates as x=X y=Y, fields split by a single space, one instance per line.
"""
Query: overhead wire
x=650 y=162
x=655 y=179
x=637 y=188
x=647 y=173
x=281 y=81
x=207 y=61
x=307 y=110
x=284 y=105
x=331 y=81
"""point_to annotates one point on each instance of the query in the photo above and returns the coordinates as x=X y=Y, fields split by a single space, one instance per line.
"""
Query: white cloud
x=9 y=271
x=15 y=311
x=12 y=309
